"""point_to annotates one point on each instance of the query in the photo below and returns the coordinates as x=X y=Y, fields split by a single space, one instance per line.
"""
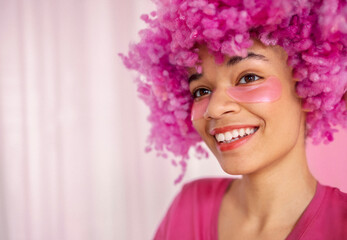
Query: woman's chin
x=238 y=169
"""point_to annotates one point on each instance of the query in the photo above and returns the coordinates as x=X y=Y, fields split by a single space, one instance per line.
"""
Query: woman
x=263 y=76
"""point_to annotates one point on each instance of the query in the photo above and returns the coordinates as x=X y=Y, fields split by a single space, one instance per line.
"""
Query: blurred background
x=73 y=132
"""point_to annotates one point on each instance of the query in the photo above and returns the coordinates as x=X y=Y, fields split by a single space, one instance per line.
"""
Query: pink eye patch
x=199 y=108
x=268 y=91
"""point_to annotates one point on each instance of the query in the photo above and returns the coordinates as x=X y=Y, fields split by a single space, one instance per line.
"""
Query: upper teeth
x=236 y=133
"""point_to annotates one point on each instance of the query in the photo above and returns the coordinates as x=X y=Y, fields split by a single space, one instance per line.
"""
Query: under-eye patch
x=266 y=91
x=269 y=90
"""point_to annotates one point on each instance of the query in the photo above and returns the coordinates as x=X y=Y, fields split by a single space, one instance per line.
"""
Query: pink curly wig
x=313 y=33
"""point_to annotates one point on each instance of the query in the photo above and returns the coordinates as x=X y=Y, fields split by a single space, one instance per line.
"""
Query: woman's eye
x=200 y=92
x=248 y=79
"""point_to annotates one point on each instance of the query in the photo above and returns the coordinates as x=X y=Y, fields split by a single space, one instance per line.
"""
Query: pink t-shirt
x=194 y=213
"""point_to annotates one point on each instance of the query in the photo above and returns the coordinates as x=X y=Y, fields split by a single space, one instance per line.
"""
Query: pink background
x=73 y=132
x=329 y=162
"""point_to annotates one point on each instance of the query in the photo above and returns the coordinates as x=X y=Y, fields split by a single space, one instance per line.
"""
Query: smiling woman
x=266 y=104
x=252 y=80
x=258 y=133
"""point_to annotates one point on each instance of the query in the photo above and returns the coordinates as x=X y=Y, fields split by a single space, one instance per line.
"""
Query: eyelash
x=194 y=94
x=249 y=75
x=256 y=77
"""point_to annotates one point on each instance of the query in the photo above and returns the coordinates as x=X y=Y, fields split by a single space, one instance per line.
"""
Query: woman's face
x=246 y=109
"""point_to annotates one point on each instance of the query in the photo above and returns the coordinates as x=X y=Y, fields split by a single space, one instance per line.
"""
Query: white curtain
x=72 y=130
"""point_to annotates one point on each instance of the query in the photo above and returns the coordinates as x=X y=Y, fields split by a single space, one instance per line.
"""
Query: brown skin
x=276 y=184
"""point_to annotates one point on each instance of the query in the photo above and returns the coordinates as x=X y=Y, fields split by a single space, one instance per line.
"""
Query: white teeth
x=228 y=136
x=242 y=132
x=220 y=137
x=234 y=134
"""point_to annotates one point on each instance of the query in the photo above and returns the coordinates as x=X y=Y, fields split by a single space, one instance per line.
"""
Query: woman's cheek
x=199 y=108
x=268 y=91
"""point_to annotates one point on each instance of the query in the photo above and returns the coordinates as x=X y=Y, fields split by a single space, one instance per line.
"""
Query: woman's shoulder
x=194 y=210
x=329 y=219
x=335 y=201
x=203 y=192
x=335 y=197
x=342 y=196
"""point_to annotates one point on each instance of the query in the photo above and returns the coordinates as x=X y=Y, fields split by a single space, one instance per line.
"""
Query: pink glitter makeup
x=267 y=91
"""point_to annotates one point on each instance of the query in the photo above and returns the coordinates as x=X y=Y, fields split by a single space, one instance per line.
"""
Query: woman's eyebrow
x=232 y=61
x=194 y=77
x=236 y=59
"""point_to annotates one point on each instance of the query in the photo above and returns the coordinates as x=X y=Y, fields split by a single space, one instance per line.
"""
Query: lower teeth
x=234 y=139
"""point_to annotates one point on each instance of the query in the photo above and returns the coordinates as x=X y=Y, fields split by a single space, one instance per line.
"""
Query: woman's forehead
x=257 y=50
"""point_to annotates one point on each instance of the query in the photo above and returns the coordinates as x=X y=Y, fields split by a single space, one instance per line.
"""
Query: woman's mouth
x=234 y=138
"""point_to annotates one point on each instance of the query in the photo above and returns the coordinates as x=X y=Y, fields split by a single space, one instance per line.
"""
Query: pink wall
x=328 y=163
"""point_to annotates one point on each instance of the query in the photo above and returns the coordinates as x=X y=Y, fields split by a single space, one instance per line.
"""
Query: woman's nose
x=221 y=104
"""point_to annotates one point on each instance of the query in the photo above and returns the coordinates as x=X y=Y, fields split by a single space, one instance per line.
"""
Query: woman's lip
x=238 y=143
x=230 y=128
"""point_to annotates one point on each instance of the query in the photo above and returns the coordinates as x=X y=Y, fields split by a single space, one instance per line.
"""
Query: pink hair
x=313 y=33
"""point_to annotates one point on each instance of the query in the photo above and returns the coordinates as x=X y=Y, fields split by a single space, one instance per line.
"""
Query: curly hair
x=313 y=33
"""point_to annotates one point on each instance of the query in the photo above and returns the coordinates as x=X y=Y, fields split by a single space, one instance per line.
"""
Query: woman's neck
x=277 y=193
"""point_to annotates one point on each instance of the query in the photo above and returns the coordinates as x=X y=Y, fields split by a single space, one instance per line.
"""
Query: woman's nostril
x=217 y=110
